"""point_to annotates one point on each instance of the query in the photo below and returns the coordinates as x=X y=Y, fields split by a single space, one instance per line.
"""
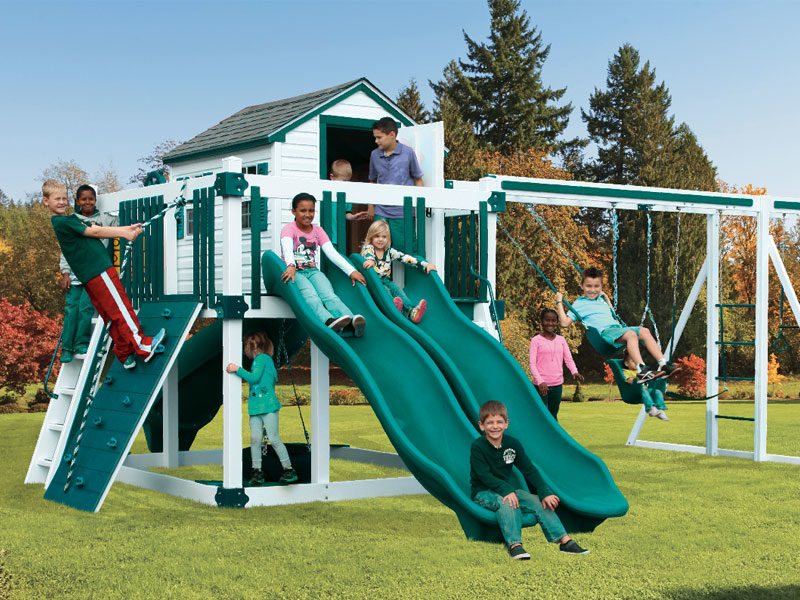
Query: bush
x=691 y=379
x=347 y=397
x=517 y=340
x=578 y=396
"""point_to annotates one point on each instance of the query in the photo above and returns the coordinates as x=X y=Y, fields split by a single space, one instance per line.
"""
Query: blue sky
x=104 y=82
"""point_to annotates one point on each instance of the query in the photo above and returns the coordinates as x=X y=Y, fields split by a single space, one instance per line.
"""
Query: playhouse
x=213 y=251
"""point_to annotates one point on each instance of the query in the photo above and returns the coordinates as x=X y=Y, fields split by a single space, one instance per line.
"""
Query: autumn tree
x=409 y=100
x=106 y=180
x=154 y=162
x=67 y=172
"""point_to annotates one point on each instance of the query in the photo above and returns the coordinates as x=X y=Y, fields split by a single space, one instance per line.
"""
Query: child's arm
x=533 y=354
x=129 y=232
x=63 y=266
x=368 y=252
x=287 y=249
x=411 y=260
x=481 y=469
x=339 y=261
x=569 y=361
x=250 y=377
x=563 y=319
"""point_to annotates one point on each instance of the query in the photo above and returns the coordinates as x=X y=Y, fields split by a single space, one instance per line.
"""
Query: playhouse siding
x=213 y=164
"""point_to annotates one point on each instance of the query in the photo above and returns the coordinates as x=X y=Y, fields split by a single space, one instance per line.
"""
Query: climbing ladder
x=100 y=427
x=72 y=379
x=721 y=343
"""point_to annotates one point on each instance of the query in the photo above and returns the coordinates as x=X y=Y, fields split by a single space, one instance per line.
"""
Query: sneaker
x=398 y=303
x=662 y=415
x=66 y=356
x=359 y=322
x=518 y=553
x=289 y=476
x=257 y=478
x=645 y=375
x=416 y=313
x=653 y=412
x=338 y=324
x=571 y=547
x=668 y=368
x=129 y=363
x=155 y=345
x=81 y=352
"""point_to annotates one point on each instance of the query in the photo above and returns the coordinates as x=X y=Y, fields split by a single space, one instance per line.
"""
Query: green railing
x=258 y=224
x=466 y=252
x=145 y=280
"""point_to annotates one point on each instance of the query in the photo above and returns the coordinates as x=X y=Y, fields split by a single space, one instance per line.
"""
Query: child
x=394 y=163
x=654 y=408
x=78 y=310
x=89 y=260
x=379 y=253
x=491 y=460
x=548 y=354
x=263 y=405
x=595 y=310
x=342 y=171
x=299 y=243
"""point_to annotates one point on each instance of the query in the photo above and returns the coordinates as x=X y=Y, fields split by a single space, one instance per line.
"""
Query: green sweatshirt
x=262 y=382
x=490 y=467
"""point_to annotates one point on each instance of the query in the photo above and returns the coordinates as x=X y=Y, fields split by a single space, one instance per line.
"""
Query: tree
x=106 y=179
x=5 y=201
x=67 y=172
x=500 y=90
x=691 y=378
x=154 y=162
x=408 y=99
x=773 y=376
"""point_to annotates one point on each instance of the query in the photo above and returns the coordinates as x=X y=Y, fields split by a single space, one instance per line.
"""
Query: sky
x=102 y=83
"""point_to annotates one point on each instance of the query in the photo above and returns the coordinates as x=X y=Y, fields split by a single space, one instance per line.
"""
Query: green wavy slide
x=425 y=420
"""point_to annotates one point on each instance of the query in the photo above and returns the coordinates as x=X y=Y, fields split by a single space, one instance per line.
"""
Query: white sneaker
x=662 y=415
x=653 y=412
x=338 y=324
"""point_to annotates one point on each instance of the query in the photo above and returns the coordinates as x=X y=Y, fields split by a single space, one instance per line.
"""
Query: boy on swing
x=595 y=310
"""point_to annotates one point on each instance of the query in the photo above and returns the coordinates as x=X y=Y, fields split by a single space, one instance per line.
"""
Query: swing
x=632 y=393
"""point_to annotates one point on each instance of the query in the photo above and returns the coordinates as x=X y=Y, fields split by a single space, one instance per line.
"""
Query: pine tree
x=500 y=88
x=408 y=99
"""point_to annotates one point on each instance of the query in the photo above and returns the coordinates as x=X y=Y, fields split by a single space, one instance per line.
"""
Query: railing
x=466 y=250
x=145 y=278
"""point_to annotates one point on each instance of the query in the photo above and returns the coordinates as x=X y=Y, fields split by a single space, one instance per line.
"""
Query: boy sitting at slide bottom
x=491 y=460
x=655 y=407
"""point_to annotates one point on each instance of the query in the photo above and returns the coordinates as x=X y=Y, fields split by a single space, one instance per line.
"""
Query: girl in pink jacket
x=548 y=354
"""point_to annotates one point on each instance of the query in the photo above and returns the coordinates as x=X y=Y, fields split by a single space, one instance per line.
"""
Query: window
x=246 y=212
x=188 y=225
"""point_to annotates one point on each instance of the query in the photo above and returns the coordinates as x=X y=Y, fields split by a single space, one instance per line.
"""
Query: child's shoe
x=668 y=368
x=518 y=553
x=289 y=476
x=338 y=324
x=661 y=415
x=398 y=303
x=416 y=313
x=130 y=363
x=571 y=547
x=66 y=356
x=359 y=322
x=257 y=478
x=155 y=345
x=653 y=412
x=645 y=374
x=81 y=352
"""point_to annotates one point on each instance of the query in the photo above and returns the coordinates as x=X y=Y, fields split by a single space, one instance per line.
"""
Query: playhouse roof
x=266 y=123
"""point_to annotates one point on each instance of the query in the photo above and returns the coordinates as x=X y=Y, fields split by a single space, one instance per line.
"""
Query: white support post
x=783 y=277
x=762 y=334
x=232 y=333
x=637 y=427
x=687 y=310
x=434 y=233
x=320 y=416
x=170 y=266
x=712 y=332
x=169 y=423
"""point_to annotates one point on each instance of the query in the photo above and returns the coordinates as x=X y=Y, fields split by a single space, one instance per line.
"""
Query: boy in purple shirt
x=393 y=163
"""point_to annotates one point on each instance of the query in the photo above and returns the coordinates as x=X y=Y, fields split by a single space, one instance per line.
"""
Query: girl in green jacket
x=263 y=405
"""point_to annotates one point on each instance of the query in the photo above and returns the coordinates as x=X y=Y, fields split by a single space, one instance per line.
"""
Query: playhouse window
x=246 y=212
x=188 y=225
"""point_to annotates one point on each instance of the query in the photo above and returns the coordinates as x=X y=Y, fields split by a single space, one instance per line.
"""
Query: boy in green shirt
x=491 y=460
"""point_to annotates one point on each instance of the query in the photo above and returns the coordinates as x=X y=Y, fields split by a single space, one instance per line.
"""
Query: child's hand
x=361 y=216
x=368 y=264
x=511 y=500
x=552 y=501
x=288 y=274
x=543 y=389
x=65 y=281
x=356 y=276
x=232 y=368
x=428 y=268
x=132 y=231
x=559 y=297
x=577 y=376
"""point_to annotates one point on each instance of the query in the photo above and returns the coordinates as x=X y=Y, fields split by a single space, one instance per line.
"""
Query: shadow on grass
x=749 y=592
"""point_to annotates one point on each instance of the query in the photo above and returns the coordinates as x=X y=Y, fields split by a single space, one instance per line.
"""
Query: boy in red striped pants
x=88 y=258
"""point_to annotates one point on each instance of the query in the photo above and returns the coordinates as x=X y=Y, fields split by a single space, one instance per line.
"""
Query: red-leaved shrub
x=691 y=378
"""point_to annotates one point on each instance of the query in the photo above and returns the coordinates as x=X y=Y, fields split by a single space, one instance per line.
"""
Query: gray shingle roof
x=255 y=123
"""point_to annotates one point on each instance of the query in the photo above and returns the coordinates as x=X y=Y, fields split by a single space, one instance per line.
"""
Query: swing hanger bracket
x=644 y=207
x=497 y=202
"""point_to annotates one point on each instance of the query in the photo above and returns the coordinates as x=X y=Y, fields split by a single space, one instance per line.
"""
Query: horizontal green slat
x=735 y=418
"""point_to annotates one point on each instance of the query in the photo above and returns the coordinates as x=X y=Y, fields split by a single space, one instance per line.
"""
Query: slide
x=489 y=372
x=409 y=394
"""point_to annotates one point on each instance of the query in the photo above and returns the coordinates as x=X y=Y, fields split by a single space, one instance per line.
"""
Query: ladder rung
x=55 y=426
x=44 y=462
x=733 y=343
x=66 y=391
x=788 y=326
x=735 y=418
x=736 y=378
x=734 y=305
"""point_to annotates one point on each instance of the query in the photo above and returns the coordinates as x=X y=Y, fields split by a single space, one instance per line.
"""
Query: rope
x=282 y=349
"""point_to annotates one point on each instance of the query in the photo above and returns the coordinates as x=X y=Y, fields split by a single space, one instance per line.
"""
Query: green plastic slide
x=490 y=372
x=409 y=394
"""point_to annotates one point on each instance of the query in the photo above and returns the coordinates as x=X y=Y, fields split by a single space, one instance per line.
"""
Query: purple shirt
x=398 y=168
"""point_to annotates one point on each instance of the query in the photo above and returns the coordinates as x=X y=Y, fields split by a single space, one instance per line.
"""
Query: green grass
x=698 y=527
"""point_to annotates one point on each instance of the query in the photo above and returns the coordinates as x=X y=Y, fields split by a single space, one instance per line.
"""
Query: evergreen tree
x=500 y=88
x=408 y=99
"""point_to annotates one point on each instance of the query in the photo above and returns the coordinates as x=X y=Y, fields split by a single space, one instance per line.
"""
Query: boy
x=595 y=310
x=491 y=460
x=394 y=163
x=342 y=171
x=78 y=310
x=88 y=259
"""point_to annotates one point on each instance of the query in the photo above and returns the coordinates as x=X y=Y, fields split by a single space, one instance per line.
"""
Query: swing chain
x=615 y=241
x=283 y=351
x=647 y=309
x=543 y=225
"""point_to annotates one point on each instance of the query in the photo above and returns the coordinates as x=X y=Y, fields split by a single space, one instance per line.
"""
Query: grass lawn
x=698 y=527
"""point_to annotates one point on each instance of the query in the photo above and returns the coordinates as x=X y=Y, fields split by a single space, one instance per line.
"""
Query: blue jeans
x=319 y=295
x=268 y=421
x=510 y=519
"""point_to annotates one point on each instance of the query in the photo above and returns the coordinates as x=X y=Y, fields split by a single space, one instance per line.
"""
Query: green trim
x=262 y=168
x=787 y=205
x=483 y=249
x=231 y=497
x=231 y=307
x=420 y=247
x=408 y=225
x=497 y=202
x=230 y=184
x=448 y=184
x=628 y=194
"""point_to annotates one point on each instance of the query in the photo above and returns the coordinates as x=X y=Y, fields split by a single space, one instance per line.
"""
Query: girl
x=263 y=405
x=548 y=354
x=378 y=253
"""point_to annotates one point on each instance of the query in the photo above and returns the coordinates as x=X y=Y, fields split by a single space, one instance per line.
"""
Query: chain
x=677 y=254
x=615 y=228
x=543 y=225
x=647 y=309
x=282 y=350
